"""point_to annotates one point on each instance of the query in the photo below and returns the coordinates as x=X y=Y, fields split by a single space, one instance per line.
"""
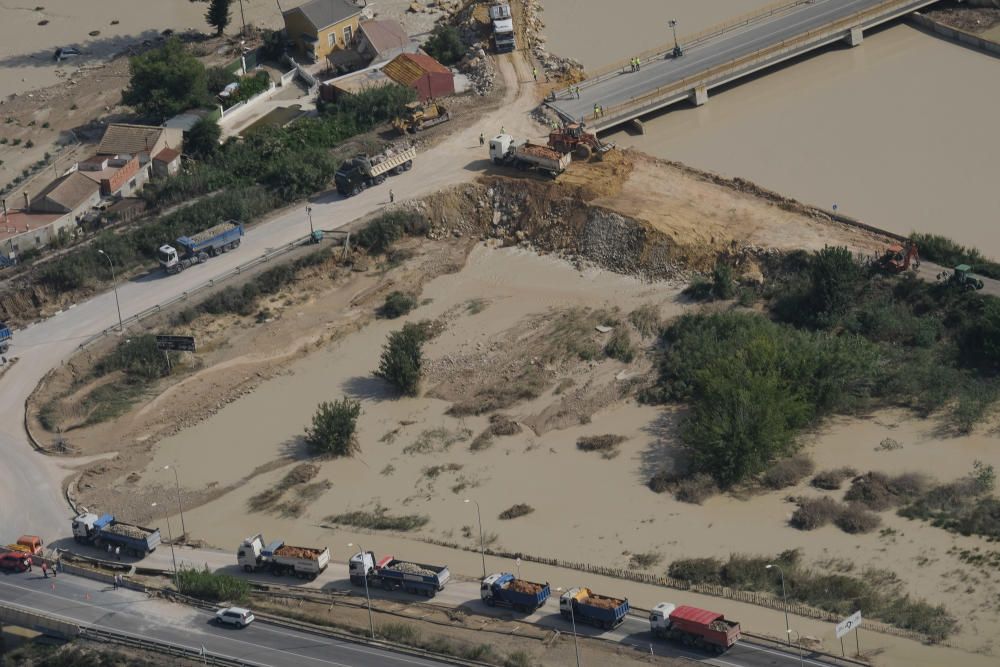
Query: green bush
x=202 y=140
x=138 y=357
x=379 y=234
x=217 y=78
x=787 y=472
x=830 y=480
x=211 y=586
x=445 y=44
x=396 y=305
x=165 y=81
x=380 y=519
x=332 y=429
x=813 y=513
x=515 y=511
x=402 y=359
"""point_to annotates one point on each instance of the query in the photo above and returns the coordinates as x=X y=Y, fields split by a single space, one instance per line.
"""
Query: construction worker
x=638 y=64
x=631 y=64
x=502 y=131
x=392 y=196
x=597 y=109
x=45 y=570
x=578 y=92
x=534 y=73
x=482 y=139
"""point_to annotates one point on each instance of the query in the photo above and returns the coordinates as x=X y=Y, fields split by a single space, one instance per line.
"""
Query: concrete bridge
x=722 y=54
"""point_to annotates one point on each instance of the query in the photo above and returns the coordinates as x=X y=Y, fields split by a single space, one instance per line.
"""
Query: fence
x=751 y=62
x=184 y=296
x=956 y=35
x=245 y=104
x=302 y=72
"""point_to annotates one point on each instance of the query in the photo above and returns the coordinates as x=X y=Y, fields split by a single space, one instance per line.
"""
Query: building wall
x=36 y=238
x=435 y=85
x=333 y=38
x=327 y=40
x=163 y=169
x=120 y=179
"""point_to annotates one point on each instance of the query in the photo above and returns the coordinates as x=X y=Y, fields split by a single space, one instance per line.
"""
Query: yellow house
x=322 y=26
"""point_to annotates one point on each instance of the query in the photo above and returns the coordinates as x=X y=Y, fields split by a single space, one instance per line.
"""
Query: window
x=332 y=39
x=347 y=35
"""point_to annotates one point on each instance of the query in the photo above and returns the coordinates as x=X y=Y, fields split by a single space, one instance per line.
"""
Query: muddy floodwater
x=900 y=132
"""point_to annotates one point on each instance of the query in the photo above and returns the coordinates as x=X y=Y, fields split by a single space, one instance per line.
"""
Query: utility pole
x=364 y=564
x=784 y=596
x=482 y=544
x=114 y=281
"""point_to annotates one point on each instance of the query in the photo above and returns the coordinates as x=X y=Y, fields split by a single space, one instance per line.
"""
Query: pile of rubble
x=412 y=568
x=480 y=70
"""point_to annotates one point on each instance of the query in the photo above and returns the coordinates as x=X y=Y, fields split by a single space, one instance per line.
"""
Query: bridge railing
x=704 y=78
x=693 y=40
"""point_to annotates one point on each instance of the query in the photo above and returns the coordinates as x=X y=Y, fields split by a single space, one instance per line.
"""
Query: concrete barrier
x=954 y=34
x=47 y=625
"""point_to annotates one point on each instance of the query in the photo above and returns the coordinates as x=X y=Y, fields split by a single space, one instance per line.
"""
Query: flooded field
x=898 y=132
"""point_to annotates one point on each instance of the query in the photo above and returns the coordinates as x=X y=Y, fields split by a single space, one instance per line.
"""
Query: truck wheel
x=354 y=191
x=379 y=180
x=276 y=571
x=582 y=152
x=247 y=569
x=407 y=165
x=490 y=602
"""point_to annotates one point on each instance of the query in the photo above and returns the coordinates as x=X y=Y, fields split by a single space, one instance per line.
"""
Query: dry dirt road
x=31 y=496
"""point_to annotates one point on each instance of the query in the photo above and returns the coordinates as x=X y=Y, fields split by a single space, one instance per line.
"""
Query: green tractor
x=963 y=278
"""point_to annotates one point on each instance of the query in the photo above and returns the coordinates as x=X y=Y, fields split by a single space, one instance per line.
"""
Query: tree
x=332 y=430
x=445 y=45
x=217 y=15
x=402 y=358
x=165 y=81
x=834 y=278
x=202 y=140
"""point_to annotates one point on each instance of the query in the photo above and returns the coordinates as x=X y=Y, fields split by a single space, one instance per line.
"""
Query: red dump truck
x=692 y=626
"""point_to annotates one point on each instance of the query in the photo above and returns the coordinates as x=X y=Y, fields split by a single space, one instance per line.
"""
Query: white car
x=237 y=616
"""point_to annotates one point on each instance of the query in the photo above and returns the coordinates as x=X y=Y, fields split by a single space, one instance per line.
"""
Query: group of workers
x=635 y=64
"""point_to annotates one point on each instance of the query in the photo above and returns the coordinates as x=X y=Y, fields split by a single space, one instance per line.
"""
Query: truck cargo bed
x=214 y=231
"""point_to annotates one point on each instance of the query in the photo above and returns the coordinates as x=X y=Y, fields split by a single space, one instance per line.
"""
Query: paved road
x=729 y=46
x=465 y=594
x=91 y=603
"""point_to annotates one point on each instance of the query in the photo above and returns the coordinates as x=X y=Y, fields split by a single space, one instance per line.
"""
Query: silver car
x=237 y=616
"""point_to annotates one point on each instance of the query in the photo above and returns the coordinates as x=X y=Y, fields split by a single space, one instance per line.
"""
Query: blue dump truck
x=106 y=532
x=507 y=590
x=584 y=606
x=5 y=338
x=391 y=573
x=198 y=248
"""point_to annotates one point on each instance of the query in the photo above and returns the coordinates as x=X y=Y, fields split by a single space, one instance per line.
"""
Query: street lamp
x=180 y=508
x=309 y=212
x=371 y=622
x=788 y=630
x=798 y=641
x=482 y=544
x=114 y=281
x=173 y=556
x=572 y=619
x=677 y=47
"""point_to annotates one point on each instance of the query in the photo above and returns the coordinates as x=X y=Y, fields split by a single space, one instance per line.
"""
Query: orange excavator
x=573 y=138
x=897 y=259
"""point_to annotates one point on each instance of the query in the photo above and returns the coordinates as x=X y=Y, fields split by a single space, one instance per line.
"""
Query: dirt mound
x=298 y=552
x=529 y=587
x=601 y=602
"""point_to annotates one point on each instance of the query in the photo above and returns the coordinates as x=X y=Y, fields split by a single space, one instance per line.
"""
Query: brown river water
x=900 y=132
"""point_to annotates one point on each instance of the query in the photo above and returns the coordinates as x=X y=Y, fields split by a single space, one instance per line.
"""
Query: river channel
x=900 y=132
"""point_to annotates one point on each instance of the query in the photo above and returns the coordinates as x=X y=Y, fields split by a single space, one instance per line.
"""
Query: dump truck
x=198 y=248
x=584 y=606
x=5 y=337
x=106 y=532
x=504 y=150
x=27 y=544
x=392 y=573
x=363 y=171
x=279 y=558
x=421 y=116
x=692 y=626
x=503 y=28
x=574 y=138
x=506 y=590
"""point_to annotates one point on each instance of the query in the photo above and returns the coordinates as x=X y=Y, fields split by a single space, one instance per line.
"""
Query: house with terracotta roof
x=143 y=141
x=166 y=163
x=73 y=194
x=117 y=175
x=319 y=27
x=419 y=71
x=21 y=231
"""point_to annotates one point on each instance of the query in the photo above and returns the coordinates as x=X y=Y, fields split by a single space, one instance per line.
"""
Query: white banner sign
x=848 y=624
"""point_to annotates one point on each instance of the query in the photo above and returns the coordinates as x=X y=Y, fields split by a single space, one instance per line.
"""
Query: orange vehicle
x=897 y=259
x=29 y=544
x=574 y=138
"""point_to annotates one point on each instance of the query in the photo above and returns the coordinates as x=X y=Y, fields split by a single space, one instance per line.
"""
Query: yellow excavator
x=420 y=116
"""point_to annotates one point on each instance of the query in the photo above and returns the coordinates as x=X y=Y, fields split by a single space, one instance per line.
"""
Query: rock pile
x=522 y=586
x=412 y=568
x=297 y=552
x=134 y=532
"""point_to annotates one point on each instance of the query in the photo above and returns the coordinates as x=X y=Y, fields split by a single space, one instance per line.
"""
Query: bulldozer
x=897 y=259
x=420 y=116
x=574 y=138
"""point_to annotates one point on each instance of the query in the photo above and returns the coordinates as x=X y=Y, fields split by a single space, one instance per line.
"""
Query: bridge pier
x=855 y=37
x=699 y=96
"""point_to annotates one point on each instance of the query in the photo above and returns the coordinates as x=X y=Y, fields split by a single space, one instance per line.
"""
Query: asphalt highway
x=95 y=604
x=731 y=45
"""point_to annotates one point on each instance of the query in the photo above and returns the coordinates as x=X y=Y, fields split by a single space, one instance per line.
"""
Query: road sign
x=852 y=622
x=175 y=343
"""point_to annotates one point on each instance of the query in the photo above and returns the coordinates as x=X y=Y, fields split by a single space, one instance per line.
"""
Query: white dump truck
x=526 y=155
x=279 y=558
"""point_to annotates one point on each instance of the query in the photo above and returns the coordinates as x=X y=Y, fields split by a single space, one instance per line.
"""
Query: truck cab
x=486 y=588
x=659 y=617
x=360 y=566
x=167 y=255
x=5 y=336
x=249 y=555
x=85 y=527
x=501 y=148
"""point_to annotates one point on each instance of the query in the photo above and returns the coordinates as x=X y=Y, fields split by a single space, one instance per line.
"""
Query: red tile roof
x=167 y=155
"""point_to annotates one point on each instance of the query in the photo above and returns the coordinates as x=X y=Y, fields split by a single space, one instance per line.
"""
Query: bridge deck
x=625 y=94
